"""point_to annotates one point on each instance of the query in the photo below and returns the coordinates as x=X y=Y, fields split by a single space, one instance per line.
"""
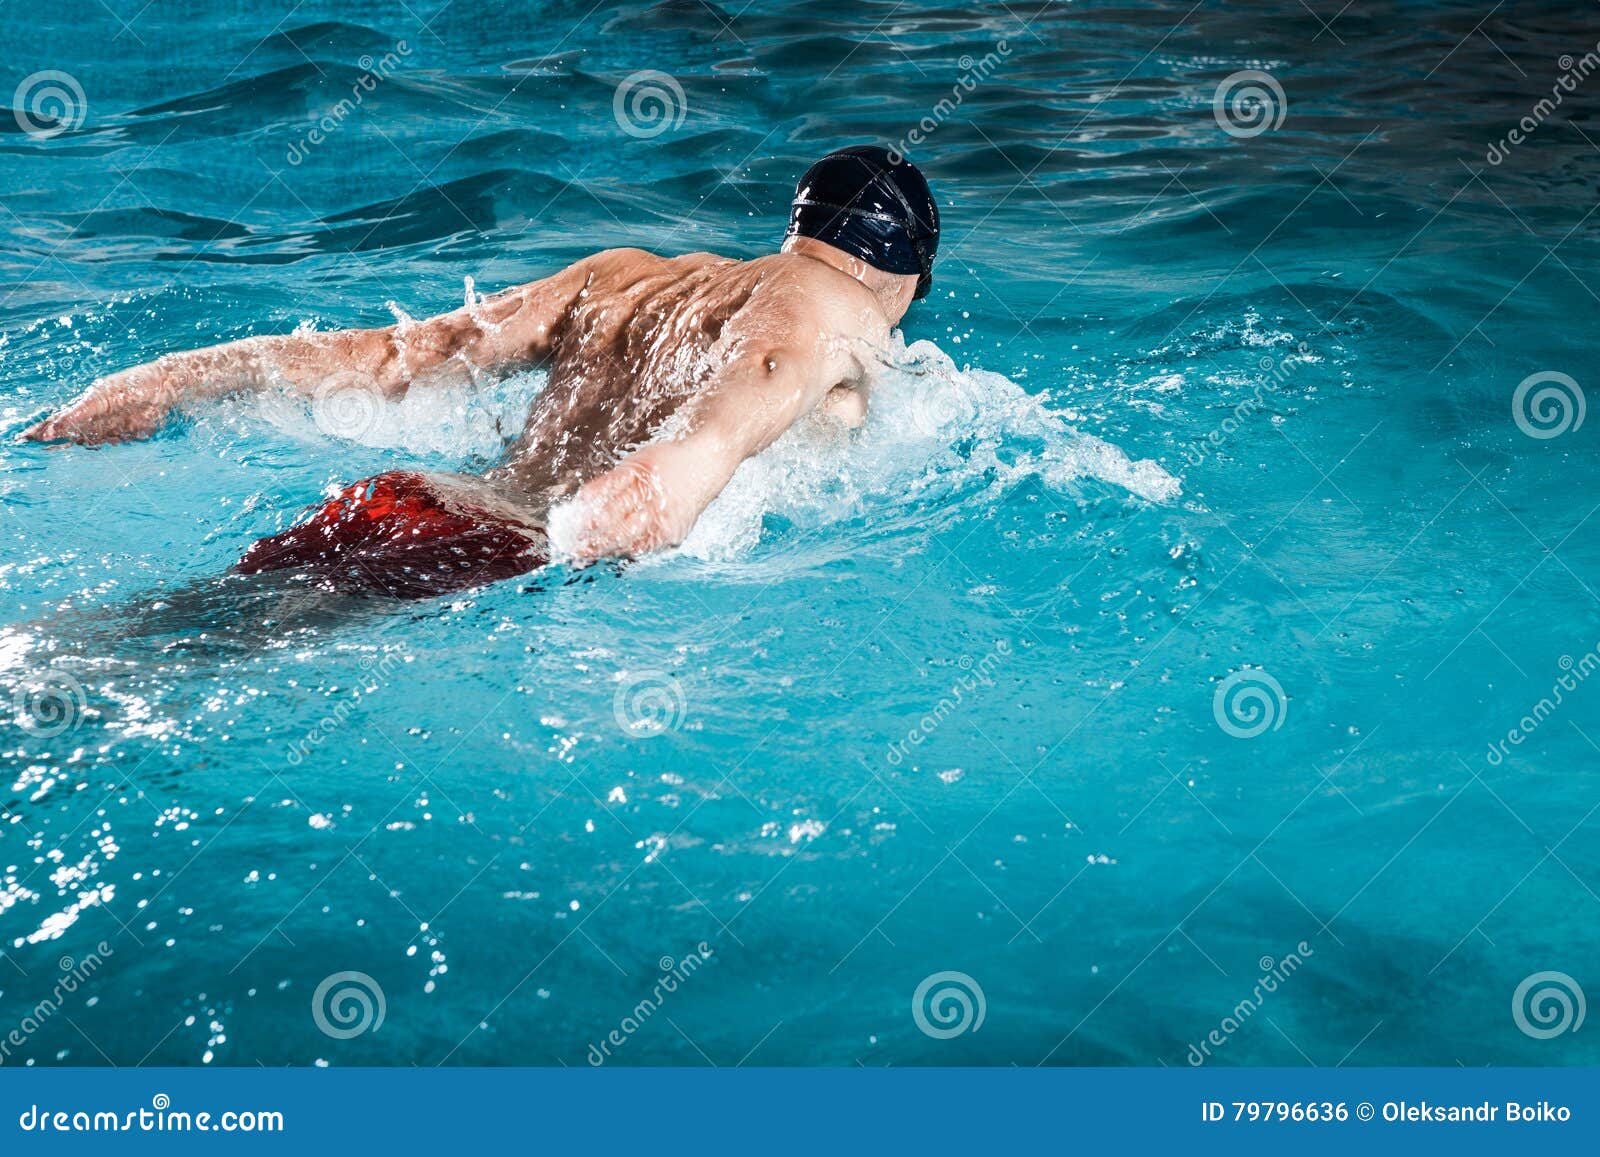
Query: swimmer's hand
x=624 y=513
x=845 y=405
x=124 y=406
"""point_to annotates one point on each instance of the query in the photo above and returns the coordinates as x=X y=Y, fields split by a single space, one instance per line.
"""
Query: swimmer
x=665 y=373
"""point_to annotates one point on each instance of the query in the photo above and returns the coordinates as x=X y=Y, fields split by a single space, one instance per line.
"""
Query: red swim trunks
x=400 y=534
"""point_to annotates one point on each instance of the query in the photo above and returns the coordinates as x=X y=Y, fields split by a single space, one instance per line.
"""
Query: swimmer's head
x=874 y=205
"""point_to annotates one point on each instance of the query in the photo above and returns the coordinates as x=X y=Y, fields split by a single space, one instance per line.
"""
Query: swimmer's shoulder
x=616 y=270
x=786 y=272
x=609 y=262
x=630 y=260
x=829 y=297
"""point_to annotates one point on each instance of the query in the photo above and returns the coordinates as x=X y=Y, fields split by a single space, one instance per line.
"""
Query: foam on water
x=467 y=425
x=936 y=434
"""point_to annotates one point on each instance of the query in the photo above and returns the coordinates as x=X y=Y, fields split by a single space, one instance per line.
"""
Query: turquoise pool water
x=1149 y=682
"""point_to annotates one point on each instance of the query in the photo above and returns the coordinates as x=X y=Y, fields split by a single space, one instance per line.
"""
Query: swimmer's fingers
x=109 y=411
x=72 y=425
x=612 y=533
x=622 y=514
x=636 y=534
x=41 y=432
x=62 y=426
x=57 y=426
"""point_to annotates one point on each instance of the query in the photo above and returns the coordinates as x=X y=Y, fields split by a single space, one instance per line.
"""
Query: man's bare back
x=664 y=375
x=644 y=335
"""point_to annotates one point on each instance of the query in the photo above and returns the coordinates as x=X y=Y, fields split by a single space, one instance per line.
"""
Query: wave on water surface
x=937 y=436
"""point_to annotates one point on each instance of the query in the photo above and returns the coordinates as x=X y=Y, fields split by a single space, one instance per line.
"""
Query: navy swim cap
x=873 y=206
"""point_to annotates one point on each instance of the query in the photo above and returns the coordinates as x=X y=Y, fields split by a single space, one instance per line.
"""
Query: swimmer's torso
x=641 y=337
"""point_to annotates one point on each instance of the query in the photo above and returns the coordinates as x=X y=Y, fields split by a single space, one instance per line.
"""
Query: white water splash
x=464 y=423
x=936 y=434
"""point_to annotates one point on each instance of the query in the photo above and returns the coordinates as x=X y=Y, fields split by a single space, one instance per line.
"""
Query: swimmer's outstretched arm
x=653 y=497
x=503 y=332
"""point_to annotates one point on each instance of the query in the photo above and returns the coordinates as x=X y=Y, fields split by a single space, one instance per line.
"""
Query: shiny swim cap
x=873 y=206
